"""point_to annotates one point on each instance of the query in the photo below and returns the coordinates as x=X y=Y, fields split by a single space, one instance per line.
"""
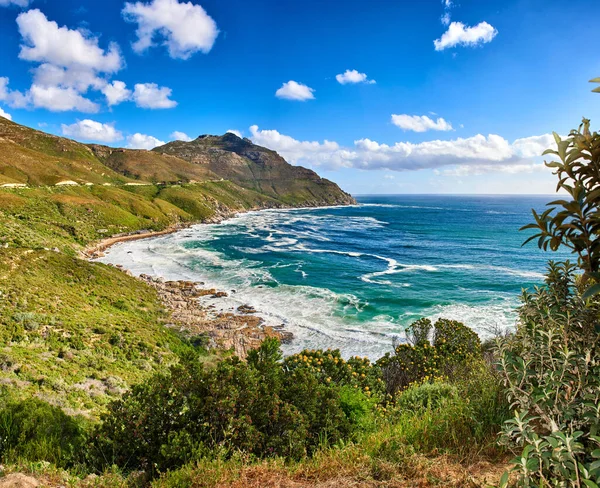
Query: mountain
x=257 y=168
x=34 y=158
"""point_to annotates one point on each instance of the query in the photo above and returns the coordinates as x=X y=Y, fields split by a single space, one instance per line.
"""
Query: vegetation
x=551 y=365
x=94 y=384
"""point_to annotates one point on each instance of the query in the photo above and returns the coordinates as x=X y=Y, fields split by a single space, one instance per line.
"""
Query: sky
x=380 y=96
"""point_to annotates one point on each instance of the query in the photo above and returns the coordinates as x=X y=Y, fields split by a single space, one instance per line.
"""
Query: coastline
x=97 y=249
x=240 y=330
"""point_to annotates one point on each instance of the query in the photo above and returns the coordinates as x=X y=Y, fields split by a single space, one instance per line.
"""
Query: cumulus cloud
x=5 y=114
x=116 y=92
x=180 y=136
x=69 y=63
x=479 y=150
x=483 y=169
x=292 y=90
x=18 y=3
x=184 y=27
x=45 y=42
x=143 y=141
x=78 y=77
x=150 y=95
x=420 y=123
x=459 y=34
x=59 y=99
x=236 y=132
x=353 y=76
x=90 y=130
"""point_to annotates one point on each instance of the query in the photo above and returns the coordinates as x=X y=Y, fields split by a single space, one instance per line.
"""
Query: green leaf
x=591 y=291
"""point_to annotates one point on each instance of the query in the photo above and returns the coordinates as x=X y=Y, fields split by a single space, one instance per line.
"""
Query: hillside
x=76 y=333
x=257 y=168
x=151 y=166
x=34 y=158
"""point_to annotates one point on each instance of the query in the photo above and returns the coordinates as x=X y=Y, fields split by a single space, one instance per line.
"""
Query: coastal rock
x=241 y=331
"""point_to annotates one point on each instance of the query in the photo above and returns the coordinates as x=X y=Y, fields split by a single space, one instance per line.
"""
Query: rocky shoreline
x=240 y=331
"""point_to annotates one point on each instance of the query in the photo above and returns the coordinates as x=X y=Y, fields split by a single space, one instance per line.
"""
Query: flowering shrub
x=454 y=347
x=265 y=407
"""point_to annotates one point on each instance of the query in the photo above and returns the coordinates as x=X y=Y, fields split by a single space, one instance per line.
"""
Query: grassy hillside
x=78 y=333
x=36 y=158
x=75 y=333
x=152 y=166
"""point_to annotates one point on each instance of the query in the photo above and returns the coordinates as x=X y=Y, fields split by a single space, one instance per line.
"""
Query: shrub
x=454 y=347
x=265 y=407
x=33 y=430
x=551 y=369
x=427 y=395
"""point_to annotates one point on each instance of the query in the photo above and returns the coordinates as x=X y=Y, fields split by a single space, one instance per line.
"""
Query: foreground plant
x=551 y=365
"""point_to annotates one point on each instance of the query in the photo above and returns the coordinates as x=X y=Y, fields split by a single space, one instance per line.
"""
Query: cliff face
x=258 y=168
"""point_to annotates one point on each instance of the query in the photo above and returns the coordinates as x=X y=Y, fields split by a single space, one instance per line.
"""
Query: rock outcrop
x=241 y=331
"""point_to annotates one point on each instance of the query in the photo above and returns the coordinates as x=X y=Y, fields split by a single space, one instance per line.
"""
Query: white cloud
x=493 y=151
x=292 y=90
x=116 y=92
x=420 y=123
x=180 y=136
x=534 y=146
x=186 y=28
x=78 y=77
x=18 y=3
x=5 y=114
x=58 y=99
x=459 y=34
x=90 y=130
x=446 y=18
x=45 y=42
x=143 y=141
x=13 y=98
x=236 y=132
x=149 y=95
x=483 y=169
x=353 y=76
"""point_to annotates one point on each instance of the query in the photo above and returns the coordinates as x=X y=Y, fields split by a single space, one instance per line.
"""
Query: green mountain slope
x=78 y=333
x=258 y=168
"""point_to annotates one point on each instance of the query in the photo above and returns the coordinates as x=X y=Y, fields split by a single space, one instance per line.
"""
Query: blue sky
x=381 y=96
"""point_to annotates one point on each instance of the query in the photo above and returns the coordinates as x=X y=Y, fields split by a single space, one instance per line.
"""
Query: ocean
x=354 y=277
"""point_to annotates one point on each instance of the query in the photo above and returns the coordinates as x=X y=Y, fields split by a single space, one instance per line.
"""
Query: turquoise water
x=355 y=277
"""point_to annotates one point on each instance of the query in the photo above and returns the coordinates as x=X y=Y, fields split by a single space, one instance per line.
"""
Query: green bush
x=454 y=348
x=426 y=395
x=33 y=430
x=264 y=407
x=551 y=369
x=551 y=365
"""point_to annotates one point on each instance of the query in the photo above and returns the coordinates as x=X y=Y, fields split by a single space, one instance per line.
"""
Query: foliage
x=574 y=222
x=451 y=351
x=551 y=369
x=33 y=430
x=261 y=407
